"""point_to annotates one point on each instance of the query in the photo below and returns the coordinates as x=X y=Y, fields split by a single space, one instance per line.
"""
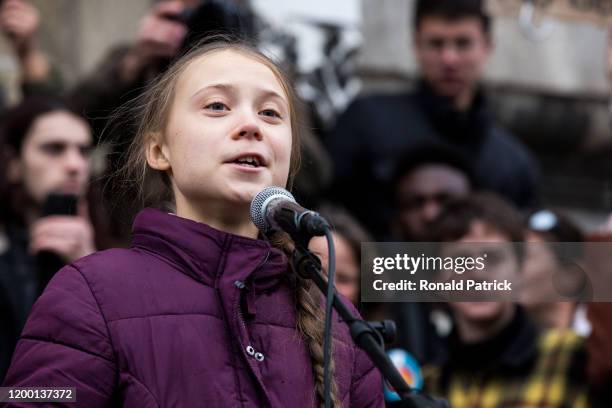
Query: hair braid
x=310 y=323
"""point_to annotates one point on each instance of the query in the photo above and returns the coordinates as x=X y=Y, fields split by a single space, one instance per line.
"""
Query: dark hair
x=456 y=219
x=451 y=10
x=15 y=125
x=345 y=224
x=17 y=122
x=14 y=128
x=431 y=154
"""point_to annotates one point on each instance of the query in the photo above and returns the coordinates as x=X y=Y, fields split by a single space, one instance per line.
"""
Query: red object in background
x=599 y=343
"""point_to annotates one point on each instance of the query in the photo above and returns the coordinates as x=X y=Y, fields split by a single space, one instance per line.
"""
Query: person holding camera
x=163 y=33
x=166 y=31
x=45 y=150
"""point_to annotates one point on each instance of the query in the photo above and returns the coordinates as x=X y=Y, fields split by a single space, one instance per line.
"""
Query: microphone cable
x=327 y=338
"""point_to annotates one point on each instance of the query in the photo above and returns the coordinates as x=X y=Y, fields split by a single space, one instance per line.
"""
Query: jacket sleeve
x=66 y=343
x=366 y=384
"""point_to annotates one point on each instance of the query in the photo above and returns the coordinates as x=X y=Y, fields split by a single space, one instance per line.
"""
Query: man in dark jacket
x=452 y=43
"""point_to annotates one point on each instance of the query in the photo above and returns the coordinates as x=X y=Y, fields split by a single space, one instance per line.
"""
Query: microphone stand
x=308 y=266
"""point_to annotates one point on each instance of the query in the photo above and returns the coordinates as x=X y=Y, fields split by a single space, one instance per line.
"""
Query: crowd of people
x=429 y=165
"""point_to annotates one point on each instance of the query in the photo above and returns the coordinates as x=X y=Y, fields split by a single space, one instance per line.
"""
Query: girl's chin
x=247 y=190
x=244 y=193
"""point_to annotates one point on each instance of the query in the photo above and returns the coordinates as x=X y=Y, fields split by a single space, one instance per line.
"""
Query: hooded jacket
x=188 y=317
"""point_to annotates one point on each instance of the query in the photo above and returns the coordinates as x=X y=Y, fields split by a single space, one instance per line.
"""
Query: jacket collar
x=512 y=349
x=205 y=253
x=457 y=126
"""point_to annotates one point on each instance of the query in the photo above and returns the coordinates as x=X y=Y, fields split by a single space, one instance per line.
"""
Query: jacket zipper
x=241 y=286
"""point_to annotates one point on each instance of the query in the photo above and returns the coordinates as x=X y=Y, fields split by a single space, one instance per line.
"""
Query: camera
x=212 y=17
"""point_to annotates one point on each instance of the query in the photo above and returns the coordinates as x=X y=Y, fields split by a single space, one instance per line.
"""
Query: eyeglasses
x=418 y=201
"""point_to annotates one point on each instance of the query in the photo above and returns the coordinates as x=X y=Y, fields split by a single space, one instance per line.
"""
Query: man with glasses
x=424 y=182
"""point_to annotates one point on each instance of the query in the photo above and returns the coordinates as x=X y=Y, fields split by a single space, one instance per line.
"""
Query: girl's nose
x=249 y=130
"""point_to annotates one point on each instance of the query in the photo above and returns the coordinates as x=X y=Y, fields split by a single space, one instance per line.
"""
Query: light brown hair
x=151 y=114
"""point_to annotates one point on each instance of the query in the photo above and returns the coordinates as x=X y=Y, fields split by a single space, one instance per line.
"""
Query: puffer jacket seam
x=240 y=240
x=237 y=238
x=108 y=334
x=353 y=370
x=346 y=397
x=164 y=314
x=355 y=384
x=143 y=386
x=169 y=261
x=63 y=344
x=335 y=337
x=361 y=377
x=220 y=267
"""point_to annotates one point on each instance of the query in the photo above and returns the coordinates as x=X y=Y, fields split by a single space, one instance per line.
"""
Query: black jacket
x=18 y=291
x=22 y=279
x=376 y=131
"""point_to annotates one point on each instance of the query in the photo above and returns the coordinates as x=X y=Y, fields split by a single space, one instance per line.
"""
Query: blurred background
x=389 y=154
x=550 y=91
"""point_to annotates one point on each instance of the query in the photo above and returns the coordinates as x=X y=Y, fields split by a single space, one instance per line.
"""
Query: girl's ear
x=157 y=152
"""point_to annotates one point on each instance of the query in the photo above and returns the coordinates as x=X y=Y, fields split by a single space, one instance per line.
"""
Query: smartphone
x=49 y=262
x=60 y=204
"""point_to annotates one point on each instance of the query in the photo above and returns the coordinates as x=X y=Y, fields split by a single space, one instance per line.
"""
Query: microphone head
x=260 y=203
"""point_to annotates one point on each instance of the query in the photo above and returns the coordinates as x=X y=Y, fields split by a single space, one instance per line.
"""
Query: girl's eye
x=271 y=113
x=216 y=106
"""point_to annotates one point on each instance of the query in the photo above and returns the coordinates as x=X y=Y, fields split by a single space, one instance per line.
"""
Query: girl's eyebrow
x=221 y=87
x=269 y=94
x=265 y=93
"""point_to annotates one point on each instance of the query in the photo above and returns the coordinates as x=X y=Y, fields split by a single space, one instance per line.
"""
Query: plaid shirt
x=552 y=375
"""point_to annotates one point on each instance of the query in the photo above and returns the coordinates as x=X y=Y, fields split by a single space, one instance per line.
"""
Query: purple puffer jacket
x=189 y=317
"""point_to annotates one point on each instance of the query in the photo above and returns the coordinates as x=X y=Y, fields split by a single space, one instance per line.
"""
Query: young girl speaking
x=199 y=312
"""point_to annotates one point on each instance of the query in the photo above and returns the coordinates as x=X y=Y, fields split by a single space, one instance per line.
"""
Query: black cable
x=327 y=343
x=363 y=334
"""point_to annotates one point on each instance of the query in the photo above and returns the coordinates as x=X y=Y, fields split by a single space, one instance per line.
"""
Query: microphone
x=275 y=209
